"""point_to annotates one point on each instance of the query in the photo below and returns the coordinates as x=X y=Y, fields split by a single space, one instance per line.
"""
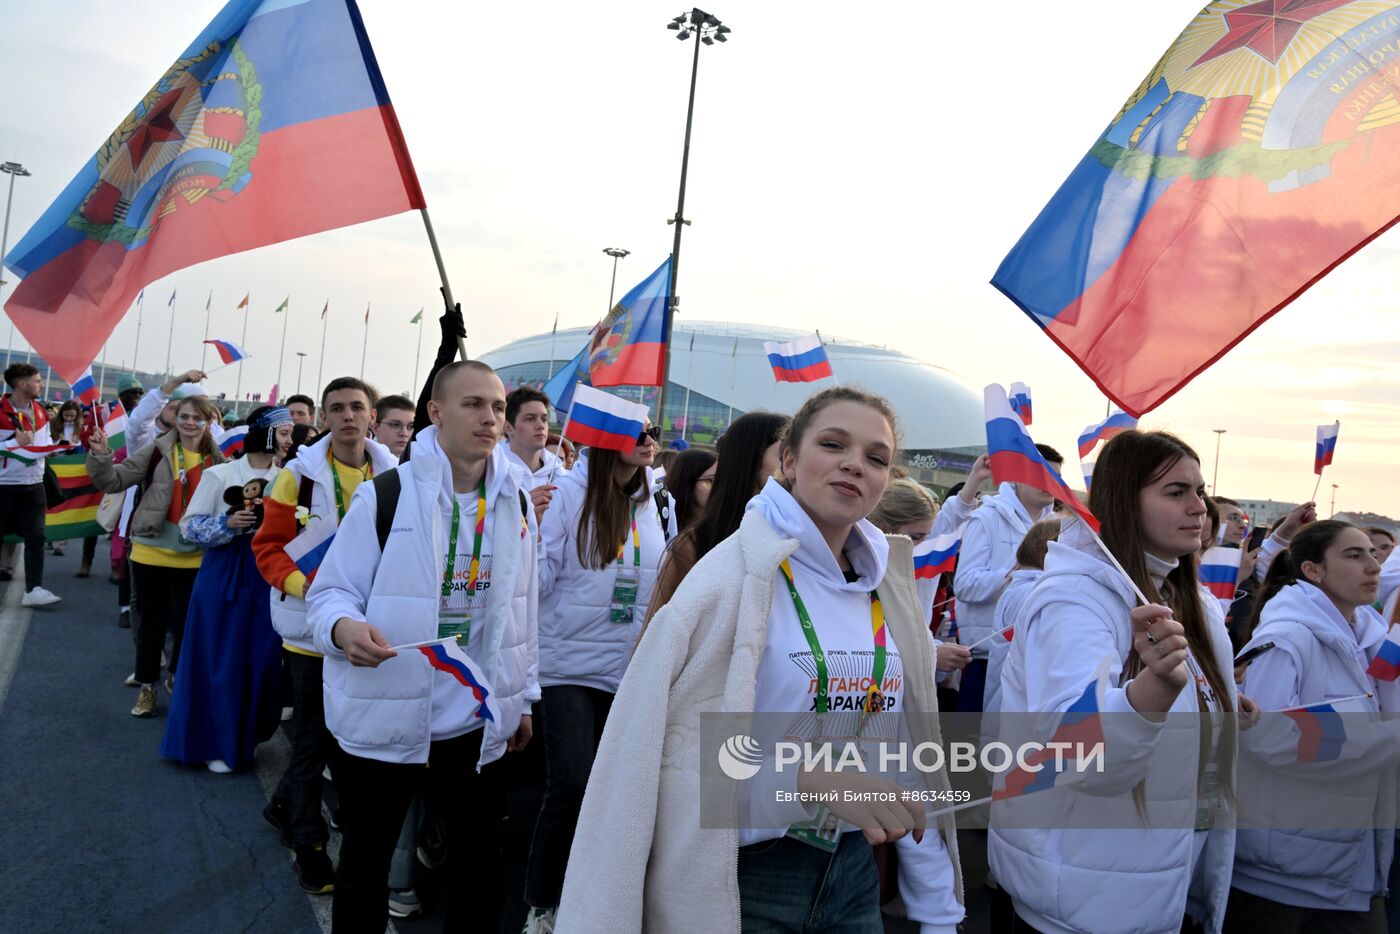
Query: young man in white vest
x=426 y=569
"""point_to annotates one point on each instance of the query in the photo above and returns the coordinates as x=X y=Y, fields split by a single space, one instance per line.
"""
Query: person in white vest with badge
x=426 y=607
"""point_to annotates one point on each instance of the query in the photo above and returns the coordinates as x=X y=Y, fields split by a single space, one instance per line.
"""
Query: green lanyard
x=475 y=567
x=182 y=478
x=335 y=479
x=636 y=544
x=874 y=697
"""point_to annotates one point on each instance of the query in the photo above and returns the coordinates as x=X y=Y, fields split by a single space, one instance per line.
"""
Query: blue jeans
x=787 y=886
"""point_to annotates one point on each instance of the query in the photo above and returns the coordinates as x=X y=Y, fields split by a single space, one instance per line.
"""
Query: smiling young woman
x=804 y=577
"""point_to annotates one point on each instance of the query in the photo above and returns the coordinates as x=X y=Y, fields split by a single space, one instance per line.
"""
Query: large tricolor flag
x=1326 y=446
x=1115 y=424
x=228 y=351
x=1014 y=456
x=1386 y=665
x=85 y=388
x=600 y=420
x=1260 y=152
x=1220 y=572
x=273 y=124
x=447 y=656
x=1020 y=398
x=1080 y=727
x=800 y=361
x=76 y=515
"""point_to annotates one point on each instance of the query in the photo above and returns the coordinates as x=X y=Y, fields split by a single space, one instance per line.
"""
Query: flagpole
x=365 y=349
x=733 y=362
x=136 y=351
x=204 y=354
x=1316 y=486
x=321 y=361
x=102 y=380
x=282 y=351
x=442 y=273
x=170 y=339
x=1319 y=703
x=559 y=448
x=418 y=358
x=243 y=342
x=689 y=378
x=553 y=332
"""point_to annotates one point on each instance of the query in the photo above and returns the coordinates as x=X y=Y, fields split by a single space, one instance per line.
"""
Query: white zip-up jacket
x=289 y=612
x=550 y=467
x=985 y=560
x=578 y=643
x=385 y=713
x=640 y=860
x=1318 y=655
x=1064 y=877
x=1010 y=605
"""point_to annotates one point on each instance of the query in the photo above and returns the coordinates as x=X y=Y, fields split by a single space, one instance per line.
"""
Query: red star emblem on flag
x=158 y=127
x=1266 y=28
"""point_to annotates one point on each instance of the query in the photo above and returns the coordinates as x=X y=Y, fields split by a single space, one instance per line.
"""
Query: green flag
x=283 y=306
x=416 y=318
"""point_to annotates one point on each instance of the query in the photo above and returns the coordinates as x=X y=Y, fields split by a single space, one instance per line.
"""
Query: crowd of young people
x=606 y=608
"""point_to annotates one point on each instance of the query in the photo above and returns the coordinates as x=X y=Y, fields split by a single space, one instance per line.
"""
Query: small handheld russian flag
x=936 y=555
x=1116 y=423
x=231 y=444
x=1088 y=468
x=85 y=389
x=801 y=361
x=311 y=544
x=1080 y=730
x=1321 y=732
x=1326 y=446
x=448 y=657
x=1015 y=458
x=228 y=351
x=1020 y=399
x=1220 y=572
x=600 y=420
x=1386 y=665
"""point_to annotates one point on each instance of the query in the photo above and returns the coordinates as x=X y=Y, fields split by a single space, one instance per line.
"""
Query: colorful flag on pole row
x=282 y=307
x=561 y=385
x=1116 y=423
x=1220 y=572
x=419 y=317
x=1321 y=732
x=367 y=304
x=1386 y=665
x=448 y=657
x=272 y=394
x=85 y=389
x=243 y=305
x=231 y=444
x=325 y=308
x=600 y=420
x=209 y=302
x=171 y=303
x=1014 y=456
x=628 y=347
x=1080 y=730
x=1255 y=157
x=308 y=549
x=936 y=555
x=1020 y=399
x=801 y=361
x=228 y=351
x=273 y=124
x=1326 y=446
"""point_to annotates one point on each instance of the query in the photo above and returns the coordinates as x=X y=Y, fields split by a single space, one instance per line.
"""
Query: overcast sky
x=858 y=169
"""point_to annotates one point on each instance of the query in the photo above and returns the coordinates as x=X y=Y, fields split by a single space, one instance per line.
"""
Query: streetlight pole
x=301 y=358
x=616 y=253
x=708 y=30
x=1215 y=474
x=1332 y=510
x=11 y=169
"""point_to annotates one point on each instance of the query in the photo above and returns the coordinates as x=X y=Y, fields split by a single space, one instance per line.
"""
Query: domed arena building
x=719 y=371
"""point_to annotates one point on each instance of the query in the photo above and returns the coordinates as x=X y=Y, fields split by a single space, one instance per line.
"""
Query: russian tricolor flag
x=309 y=548
x=1015 y=458
x=936 y=555
x=1080 y=727
x=448 y=657
x=1088 y=468
x=1321 y=732
x=600 y=420
x=1115 y=424
x=800 y=361
x=1021 y=401
x=229 y=352
x=1220 y=572
x=231 y=444
x=85 y=388
x=1386 y=665
x=1326 y=446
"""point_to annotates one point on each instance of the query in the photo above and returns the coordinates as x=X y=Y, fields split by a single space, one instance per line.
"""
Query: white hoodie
x=1008 y=614
x=1318 y=655
x=985 y=560
x=578 y=643
x=388 y=713
x=550 y=467
x=1072 y=879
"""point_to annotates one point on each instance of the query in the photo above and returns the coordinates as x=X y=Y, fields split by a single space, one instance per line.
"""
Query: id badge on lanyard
x=623 y=606
x=457 y=620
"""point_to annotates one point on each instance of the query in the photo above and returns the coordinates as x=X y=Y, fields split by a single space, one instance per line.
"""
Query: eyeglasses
x=654 y=433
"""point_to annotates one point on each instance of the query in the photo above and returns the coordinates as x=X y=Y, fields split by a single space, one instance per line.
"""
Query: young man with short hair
x=303 y=409
x=22 y=502
x=411 y=570
x=311 y=491
x=524 y=444
x=393 y=423
x=985 y=560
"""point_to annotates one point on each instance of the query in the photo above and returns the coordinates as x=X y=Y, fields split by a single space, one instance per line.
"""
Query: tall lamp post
x=11 y=169
x=301 y=358
x=708 y=30
x=1215 y=474
x=1332 y=510
x=616 y=253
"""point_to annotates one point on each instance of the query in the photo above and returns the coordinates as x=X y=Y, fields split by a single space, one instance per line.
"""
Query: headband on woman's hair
x=272 y=418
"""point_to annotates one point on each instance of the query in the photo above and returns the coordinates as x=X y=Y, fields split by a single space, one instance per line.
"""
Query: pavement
x=98 y=833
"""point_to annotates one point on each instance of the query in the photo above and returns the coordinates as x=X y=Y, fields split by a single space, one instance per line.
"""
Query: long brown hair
x=56 y=423
x=1129 y=463
x=606 y=517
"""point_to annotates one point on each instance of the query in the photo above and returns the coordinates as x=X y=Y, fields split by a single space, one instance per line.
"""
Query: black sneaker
x=279 y=815
x=313 y=869
x=124 y=619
